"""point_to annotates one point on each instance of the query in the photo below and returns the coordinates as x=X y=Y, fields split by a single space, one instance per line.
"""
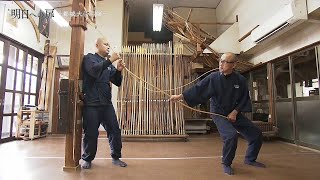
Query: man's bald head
x=227 y=63
x=101 y=41
x=103 y=47
x=228 y=56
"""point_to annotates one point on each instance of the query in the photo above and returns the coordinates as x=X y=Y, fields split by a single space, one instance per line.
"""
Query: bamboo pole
x=132 y=130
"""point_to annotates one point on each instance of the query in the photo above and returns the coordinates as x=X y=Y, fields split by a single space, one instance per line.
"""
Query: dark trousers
x=228 y=133
x=93 y=116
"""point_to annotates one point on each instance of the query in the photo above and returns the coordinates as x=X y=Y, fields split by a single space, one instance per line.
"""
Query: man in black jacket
x=229 y=95
x=98 y=72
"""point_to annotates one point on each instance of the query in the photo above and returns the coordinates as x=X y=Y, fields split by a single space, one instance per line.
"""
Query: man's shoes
x=118 y=162
x=86 y=165
x=255 y=164
x=228 y=170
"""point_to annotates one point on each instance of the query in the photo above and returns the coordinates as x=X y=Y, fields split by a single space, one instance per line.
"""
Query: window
x=19 y=81
x=10 y=79
x=33 y=84
x=12 y=56
x=1 y=52
x=260 y=84
x=20 y=64
x=282 y=79
x=260 y=95
x=27 y=83
x=18 y=67
x=305 y=74
x=29 y=63
x=35 y=66
x=8 y=103
x=6 y=123
x=17 y=102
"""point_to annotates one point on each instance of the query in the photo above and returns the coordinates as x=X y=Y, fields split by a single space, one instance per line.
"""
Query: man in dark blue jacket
x=98 y=72
x=229 y=96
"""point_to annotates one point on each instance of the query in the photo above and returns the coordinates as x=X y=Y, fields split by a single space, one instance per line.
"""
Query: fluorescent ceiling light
x=157 y=16
x=45 y=6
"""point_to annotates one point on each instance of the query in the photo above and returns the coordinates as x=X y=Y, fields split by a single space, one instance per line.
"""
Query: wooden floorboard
x=198 y=158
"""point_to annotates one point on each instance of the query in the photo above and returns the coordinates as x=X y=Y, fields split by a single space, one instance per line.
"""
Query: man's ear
x=234 y=65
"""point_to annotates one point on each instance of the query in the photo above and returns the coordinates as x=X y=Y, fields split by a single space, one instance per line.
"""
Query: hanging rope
x=212 y=70
x=205 y=112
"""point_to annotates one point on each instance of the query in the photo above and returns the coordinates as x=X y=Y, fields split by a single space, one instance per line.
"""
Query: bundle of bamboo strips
x=193 y=37
x=142 y=110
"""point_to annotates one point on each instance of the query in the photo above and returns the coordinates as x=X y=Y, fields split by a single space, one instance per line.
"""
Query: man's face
x=225 y=64
x=104 y=48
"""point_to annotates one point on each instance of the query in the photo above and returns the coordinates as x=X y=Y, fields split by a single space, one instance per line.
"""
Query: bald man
x=98 y=72
x=229 y=96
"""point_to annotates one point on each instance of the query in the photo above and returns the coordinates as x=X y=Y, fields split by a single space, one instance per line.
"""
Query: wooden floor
x=197 y=159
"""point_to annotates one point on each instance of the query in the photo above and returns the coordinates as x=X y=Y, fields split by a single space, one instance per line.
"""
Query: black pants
x=92 y=118
x=229 y=135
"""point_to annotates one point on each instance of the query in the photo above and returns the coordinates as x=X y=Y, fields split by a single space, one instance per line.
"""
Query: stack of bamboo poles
x=179 y=73
x=189 y=77
x=142 y=110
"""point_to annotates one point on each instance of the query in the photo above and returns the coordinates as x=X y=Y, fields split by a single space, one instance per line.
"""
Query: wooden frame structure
x=144 y=112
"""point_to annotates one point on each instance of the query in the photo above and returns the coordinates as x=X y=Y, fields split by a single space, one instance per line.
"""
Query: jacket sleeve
x=115 y=76
x=199 y=93
x=244 y=102
x=94 y=68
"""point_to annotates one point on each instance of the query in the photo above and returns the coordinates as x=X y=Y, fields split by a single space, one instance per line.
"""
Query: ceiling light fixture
x=157 y=16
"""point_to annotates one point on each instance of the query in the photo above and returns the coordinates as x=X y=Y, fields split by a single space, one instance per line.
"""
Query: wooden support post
x=50 y=72
x=74 y=132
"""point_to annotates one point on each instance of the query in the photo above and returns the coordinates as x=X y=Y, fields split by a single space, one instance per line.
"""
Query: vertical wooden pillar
x=74 y=131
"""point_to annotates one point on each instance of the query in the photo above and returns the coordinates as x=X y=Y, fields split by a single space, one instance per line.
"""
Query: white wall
x=253 y=12
x=2 y=15
x=109 y=24
x=313 y=5
x=250 y=12
x=24 y=31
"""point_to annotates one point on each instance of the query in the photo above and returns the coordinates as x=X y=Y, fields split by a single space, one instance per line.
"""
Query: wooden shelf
x=36 y=120
x=196 y=125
